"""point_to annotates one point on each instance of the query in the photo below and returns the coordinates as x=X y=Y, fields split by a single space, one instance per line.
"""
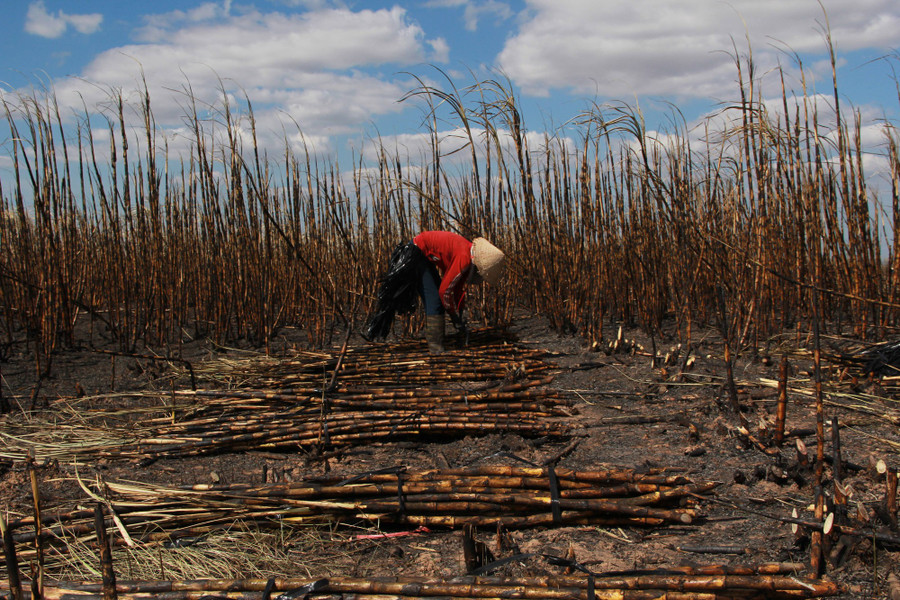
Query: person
x=435 y=266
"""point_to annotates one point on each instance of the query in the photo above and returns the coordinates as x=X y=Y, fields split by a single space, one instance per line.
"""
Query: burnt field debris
x=407 y=491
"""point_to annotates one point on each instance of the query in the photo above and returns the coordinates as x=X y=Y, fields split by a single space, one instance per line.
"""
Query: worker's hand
x=462 y=328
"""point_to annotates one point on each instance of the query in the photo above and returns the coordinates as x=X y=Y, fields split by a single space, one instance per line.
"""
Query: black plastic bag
x=398 y=292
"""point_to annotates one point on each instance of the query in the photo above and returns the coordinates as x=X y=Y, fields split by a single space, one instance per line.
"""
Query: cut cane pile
x=498 y=496
x=312 y=401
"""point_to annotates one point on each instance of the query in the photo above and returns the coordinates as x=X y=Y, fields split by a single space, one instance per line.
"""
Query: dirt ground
x=630 y=413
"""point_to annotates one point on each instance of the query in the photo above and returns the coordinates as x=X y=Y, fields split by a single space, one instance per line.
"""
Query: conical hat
x=489 y=260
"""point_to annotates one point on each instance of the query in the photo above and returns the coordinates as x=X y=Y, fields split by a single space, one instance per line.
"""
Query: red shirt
x=452 y=254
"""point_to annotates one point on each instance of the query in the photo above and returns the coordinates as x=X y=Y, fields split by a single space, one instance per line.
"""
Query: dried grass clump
x=237 y=553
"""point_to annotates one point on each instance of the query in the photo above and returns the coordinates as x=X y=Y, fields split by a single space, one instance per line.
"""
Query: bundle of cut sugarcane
x=680 y=583
x=300 y=412
x=523 y=396
x=279 y=428
x=383 y=364
x=514 y=497
x=222 y=420
x=338 y=430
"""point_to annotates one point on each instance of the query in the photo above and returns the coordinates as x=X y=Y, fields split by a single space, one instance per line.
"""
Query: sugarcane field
x=531 y=368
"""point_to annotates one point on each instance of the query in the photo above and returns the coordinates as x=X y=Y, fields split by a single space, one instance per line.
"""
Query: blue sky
x=338 y=69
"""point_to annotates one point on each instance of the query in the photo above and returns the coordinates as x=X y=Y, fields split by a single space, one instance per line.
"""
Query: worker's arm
x=453 y=286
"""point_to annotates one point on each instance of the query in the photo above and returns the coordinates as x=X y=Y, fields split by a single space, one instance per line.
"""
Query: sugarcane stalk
x=38 y=542
x=519 y=522
x=497 y=506
x=106 y=566
x=816 y=548
x=677 y=492
x=551 y=587
x=837 y=468
x=12 y=563
x=564 y=474
x=781 y=410
x=890 y=497
x=472 y=486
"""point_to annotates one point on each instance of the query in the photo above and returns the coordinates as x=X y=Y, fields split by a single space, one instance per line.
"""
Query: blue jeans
x=429 y=291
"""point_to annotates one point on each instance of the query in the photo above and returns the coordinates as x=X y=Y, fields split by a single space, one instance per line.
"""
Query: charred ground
x=628 y=411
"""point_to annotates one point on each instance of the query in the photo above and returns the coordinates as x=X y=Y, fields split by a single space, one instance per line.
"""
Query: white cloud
x=473 y=10
x=157 y=27
x=446 y=3
x=476 y=10
x=440 y=50
x=40 y=22
x=312 y=4
x=87 y=24
x=677 y=49
x=320 y=69
x=255 y=43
